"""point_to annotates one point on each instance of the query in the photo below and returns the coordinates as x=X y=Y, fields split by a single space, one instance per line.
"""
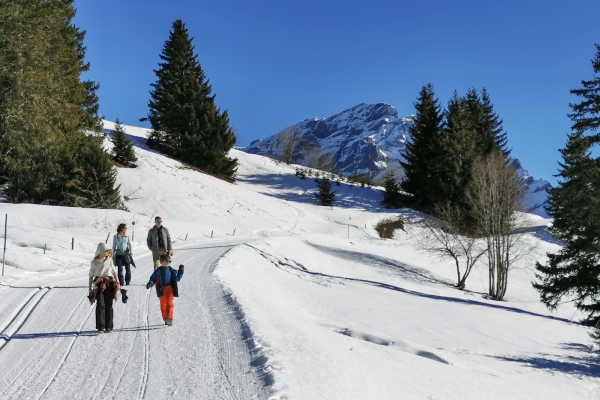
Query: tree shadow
x=416 y=275
x=586 y=363
x=290 y=188
x=544 y=234
x=52 y=335
x=407 y=272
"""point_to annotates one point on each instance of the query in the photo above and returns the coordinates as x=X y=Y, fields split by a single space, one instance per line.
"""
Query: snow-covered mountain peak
x=363 y=139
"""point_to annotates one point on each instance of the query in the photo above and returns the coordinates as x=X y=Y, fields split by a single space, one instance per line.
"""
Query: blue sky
x=274 y=63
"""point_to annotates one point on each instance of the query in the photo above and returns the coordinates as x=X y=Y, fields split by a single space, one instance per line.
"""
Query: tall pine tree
x=574 y=271
x=184 y=118
x=425 y=154
x=486 y=123
x=460 y=143
x=586 y=114
x=48 y=115
x=492 y=131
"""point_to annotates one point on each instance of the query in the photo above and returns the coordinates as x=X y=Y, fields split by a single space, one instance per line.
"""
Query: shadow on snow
x=585 y=363
x=292 y=188
x=417 y=276
x=51 y=335
x=407 y=272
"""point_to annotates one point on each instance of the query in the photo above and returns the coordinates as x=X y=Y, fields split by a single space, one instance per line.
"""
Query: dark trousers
x=123 y=261
x=104 y=306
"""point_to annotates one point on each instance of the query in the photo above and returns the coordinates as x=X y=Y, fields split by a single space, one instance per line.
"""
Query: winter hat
x=102 y=248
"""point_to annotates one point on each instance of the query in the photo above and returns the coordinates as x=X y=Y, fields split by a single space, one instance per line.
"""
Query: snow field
x=305 y=299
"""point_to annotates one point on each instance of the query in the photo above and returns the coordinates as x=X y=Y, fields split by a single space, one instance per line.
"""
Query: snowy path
x=51 y=350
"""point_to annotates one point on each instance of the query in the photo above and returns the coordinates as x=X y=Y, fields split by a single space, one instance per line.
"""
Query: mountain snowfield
x=324 y=308
x=371 y=138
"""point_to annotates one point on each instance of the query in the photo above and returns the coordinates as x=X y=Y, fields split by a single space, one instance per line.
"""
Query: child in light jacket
x=103 y=286
x=165 y=278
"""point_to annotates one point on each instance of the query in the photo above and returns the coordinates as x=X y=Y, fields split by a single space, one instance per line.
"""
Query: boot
x=124 y=296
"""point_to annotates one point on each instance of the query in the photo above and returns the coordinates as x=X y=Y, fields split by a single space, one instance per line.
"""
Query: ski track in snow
x=205 y=355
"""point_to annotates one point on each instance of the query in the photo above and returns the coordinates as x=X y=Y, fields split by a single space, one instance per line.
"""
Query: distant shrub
x=301 y=173
x=362 y=180
x=386 y=227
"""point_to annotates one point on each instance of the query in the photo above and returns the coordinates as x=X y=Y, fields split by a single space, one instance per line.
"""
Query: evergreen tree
x=183 y=114
x=486 y=123
x=493 y=135
x=459 y=140
x=123 y=152
x=586 y=114
x=425 y=156
x=574 y=204
x=94 y=186
x=47 y=113
x=325 y=196
x=392 y=198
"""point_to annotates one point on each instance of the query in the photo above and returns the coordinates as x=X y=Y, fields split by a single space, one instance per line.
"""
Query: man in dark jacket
x=159 y=241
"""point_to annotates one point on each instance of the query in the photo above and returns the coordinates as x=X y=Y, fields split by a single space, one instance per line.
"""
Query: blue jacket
x=166 y=276
x=121 y=245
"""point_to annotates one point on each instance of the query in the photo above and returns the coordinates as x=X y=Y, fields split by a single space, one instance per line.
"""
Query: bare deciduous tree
x=494 y=195
x=326 y=161
x=315 y=158
x=445 y=238
x=288 y=142
x=311 y=156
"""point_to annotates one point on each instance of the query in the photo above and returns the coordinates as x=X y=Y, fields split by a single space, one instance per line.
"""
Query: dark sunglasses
x=168 y=261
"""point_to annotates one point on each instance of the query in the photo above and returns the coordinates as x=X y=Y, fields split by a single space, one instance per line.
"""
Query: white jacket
x=102 y=268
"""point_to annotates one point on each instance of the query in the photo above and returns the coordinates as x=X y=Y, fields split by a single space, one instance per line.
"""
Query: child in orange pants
x=165 y=278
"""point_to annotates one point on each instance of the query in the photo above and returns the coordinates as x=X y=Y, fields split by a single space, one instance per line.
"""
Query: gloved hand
x=181 y=267
x=149 y=285
x=124 y=296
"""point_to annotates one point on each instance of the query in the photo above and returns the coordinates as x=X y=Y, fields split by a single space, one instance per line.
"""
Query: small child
x=165 y=278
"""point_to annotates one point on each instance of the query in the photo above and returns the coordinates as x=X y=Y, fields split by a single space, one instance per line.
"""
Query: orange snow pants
x=166 y=303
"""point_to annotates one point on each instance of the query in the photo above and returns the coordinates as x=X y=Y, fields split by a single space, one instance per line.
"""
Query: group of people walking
x=110 y=271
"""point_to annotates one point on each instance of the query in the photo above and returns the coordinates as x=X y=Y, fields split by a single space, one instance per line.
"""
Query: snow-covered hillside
x=332 y=311
x=371 y=138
